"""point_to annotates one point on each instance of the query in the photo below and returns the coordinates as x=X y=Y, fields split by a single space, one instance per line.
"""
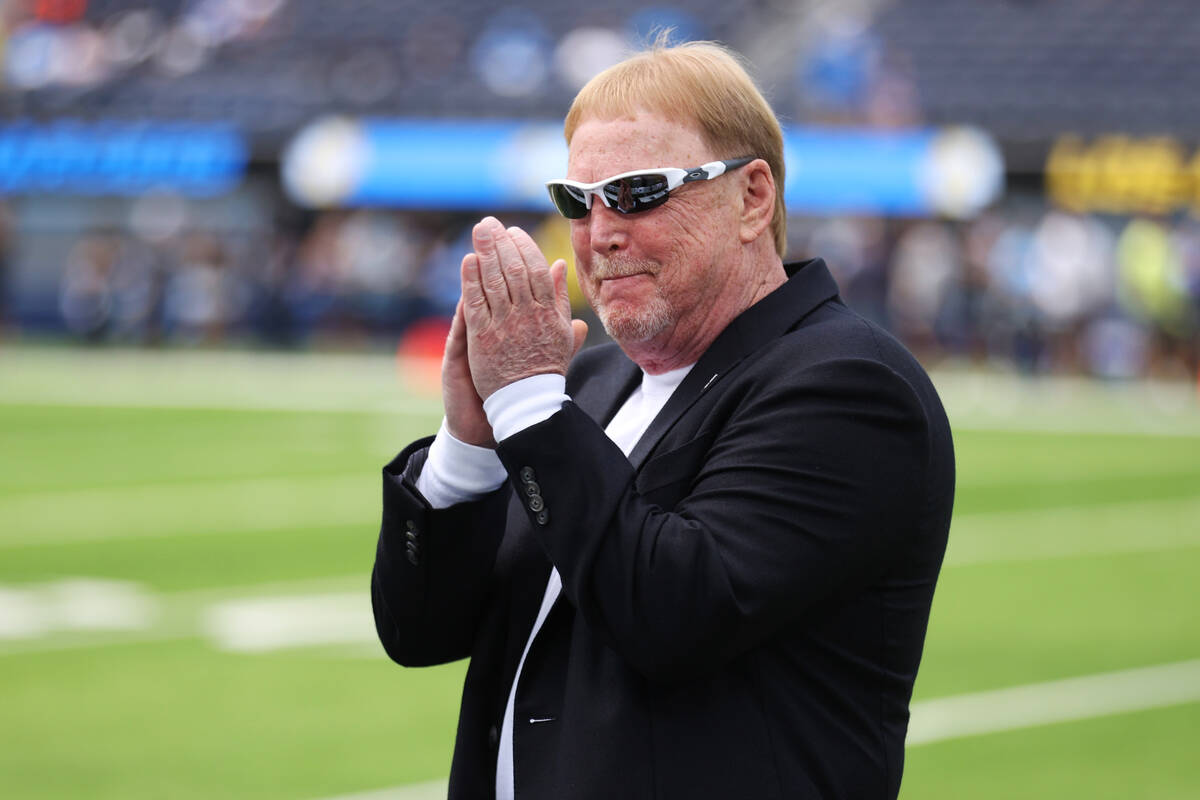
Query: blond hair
x=705 y=82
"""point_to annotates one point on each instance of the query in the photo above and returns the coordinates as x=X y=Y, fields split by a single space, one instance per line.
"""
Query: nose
x=607 y=229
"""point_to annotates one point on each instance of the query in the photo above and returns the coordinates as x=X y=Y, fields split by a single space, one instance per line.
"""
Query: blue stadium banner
x=119 y=158
x=441 y=164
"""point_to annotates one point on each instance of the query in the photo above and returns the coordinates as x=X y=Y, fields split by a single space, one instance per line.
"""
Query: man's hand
x=516 y=310
x=465 y=419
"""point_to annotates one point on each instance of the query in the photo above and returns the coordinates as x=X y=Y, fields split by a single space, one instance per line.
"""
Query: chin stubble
x=624 y=323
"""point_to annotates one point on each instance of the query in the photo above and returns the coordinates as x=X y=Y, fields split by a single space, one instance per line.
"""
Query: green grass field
x=186 y=541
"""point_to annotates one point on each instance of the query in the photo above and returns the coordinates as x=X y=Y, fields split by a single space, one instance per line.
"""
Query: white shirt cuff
x=456 y=472
x=526 y=402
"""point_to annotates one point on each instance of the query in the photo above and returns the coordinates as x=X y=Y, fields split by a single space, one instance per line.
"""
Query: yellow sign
x=1123 y=175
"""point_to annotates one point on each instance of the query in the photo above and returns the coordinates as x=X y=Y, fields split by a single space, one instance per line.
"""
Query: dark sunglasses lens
x=637 y=193
x=569 y=201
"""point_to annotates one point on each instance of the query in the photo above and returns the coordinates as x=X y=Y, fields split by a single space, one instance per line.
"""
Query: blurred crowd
x=347 y=276
x=1041 y=289
x=1023 y=284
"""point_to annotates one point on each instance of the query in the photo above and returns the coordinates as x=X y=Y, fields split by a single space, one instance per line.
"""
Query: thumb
x=558 y=271
x=456 y=339
x=579 y=328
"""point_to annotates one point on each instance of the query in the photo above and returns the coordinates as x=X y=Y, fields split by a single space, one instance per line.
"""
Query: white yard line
x=993 y=711
x=231 y=380
x=989 y=401
x=404 y=407
x=264 y=505
x=263 y=624
x=378 y=383
x=429 y=790
x=1074 y=531
x=1054 y=701
x=186 y=509
x=62 y=615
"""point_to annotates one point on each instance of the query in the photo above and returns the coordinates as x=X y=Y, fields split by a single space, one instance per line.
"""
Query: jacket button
x=527 y=475
x=532 y=488
x=536 y=503
x=493 y=736
x=542 y=517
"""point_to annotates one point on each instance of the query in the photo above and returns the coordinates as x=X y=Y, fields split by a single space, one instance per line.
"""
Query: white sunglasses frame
x=675 y=176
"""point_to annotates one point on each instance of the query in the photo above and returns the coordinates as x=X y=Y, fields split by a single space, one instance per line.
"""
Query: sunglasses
x=632 y=192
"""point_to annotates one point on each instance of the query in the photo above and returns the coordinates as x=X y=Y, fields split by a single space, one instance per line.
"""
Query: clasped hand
x=513 y=321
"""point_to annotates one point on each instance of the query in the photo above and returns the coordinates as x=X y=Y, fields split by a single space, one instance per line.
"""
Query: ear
x=758 y=199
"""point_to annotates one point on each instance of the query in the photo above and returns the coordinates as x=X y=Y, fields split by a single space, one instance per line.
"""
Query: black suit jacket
x=745 y=597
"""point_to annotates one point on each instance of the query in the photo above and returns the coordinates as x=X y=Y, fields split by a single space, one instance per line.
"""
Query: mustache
x=609 y=267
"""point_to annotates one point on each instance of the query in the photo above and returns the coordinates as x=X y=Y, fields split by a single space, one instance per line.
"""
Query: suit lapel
x=808 y=286
x=603 y=393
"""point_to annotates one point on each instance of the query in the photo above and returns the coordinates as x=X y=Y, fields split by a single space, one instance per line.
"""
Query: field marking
x=74 y=604
x=265 y=505
x=225 y=380
x=994 y=711
x=379 y=383
x=422 y=411
x=1054 y=701
x=987 y=401
x=1074 y=531
x=262 y=624
x=427 y=790
x=178 y=509
x=77 y=613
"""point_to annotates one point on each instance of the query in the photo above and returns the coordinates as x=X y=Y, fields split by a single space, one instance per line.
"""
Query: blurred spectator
x=926 y=281
x=112 y=288
x=1152 y=284
x=1072 y=280
x=440 y=272
x=6 y=243
x=857 y=252
x=204 y=295
x=86 y=295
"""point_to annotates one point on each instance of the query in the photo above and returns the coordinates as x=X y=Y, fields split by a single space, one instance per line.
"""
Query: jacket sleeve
x=805 y=489
x=432 y=566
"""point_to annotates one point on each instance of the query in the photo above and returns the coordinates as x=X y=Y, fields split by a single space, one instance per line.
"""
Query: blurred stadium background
x=229 y=238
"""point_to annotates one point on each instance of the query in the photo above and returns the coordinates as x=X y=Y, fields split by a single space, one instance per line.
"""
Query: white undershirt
x=456 y=472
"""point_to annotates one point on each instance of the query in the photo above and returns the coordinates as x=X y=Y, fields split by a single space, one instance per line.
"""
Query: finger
x=456 y=339
x=562 y=298
x=491 y=273
x=541 y=285
x=512 y=262
x=474 y=302
x=579 y=328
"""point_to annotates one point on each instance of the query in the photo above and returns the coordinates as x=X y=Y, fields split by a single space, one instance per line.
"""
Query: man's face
x=656 y=274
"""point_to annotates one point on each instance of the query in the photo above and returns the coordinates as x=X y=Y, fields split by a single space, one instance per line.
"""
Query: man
x=702 y=565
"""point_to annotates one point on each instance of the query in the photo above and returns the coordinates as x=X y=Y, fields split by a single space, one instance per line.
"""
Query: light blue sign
x=119 y=158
